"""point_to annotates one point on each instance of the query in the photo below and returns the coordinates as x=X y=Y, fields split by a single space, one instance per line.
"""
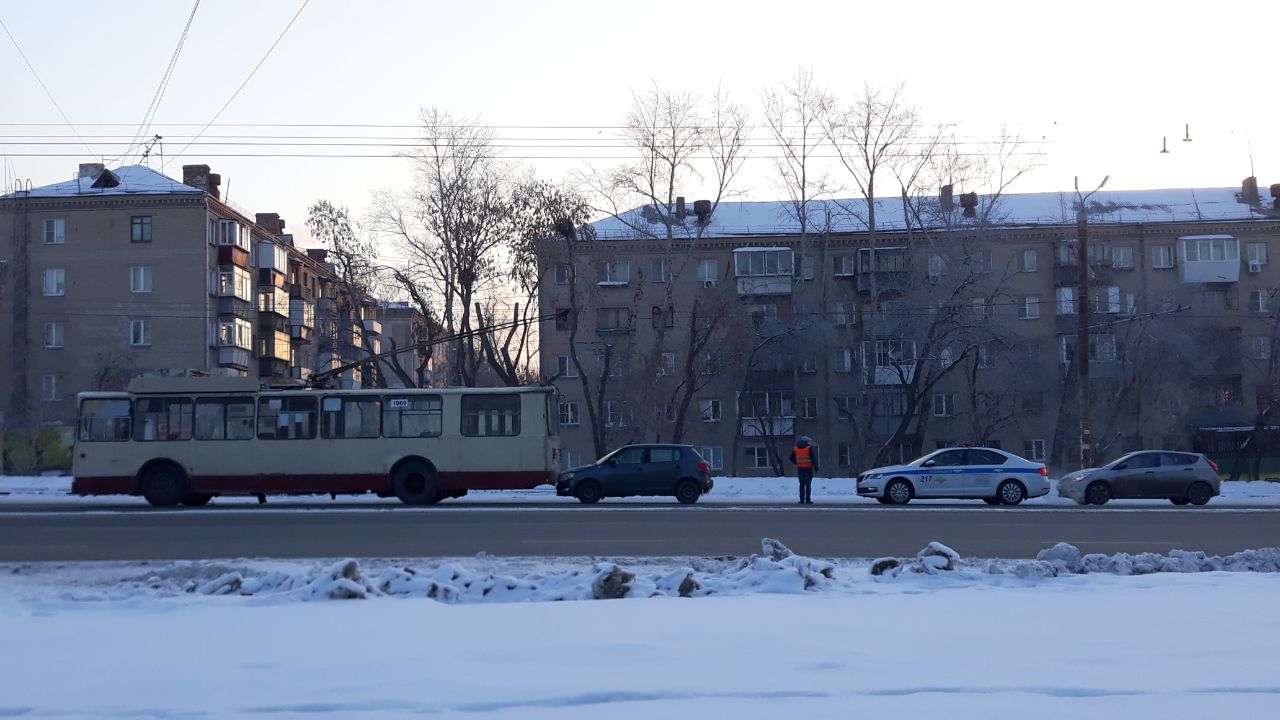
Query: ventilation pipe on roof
x=680 y=208
x=199 y=177
x=90 y=171
x=702 y=208
x=945 y=197
x=1275 y=196
x=969 y=201
x=1249 y=191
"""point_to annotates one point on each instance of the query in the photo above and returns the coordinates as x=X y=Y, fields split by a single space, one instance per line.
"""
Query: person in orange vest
x=805 y=457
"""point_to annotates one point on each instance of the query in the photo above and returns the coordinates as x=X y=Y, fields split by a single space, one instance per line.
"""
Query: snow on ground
x=727 y=490
x=755 y=640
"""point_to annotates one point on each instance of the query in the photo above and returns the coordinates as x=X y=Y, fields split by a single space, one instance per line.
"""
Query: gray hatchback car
x=1180 y=477
x=640 y=470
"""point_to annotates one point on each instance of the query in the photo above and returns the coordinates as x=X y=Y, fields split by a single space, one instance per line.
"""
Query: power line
x=158 y=97
x=43 y=86
x=243 y=84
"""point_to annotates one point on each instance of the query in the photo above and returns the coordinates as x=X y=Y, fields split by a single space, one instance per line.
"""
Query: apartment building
x=124 y=271
x=736 y=332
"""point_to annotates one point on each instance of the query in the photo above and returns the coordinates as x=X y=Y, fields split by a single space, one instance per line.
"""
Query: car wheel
x=1199 y=493
x=1098 y=493
x=1011 y=492
x=688 y=492
x=588 y=492
x=415 y=483
x=991 y=501
x=164 y=486
x=195 y=499
x=1179 y=501
x=899 y=492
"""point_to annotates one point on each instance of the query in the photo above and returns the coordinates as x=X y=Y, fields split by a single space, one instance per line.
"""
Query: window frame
x=327 y=433
x=185 y=418
x=508 y=418
x=55 y=332
x=58 y=225
x=390 y=405
x=141 y=279
x=287 y=409
x=570 y=410
x=140 y=332
x=59 y=276
x=141 y=229
x=118 y=432
x=226 y=419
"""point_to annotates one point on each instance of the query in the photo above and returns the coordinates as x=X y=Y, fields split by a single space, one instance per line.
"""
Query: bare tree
x=796 y=115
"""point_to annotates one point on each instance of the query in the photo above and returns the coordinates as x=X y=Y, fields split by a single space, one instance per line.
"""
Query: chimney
x=1249 y=191
x=945 y=197
x=199 y=177
x=270 y=222
x=680 y=208
x=90 y=171
x=969 y=201
x=702 y=208
x=1275 y=196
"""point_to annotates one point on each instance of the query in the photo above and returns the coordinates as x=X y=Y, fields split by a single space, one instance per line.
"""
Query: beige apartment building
x=732 y=330
x=126 y=271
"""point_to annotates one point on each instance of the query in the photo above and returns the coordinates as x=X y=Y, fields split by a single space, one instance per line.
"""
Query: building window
x=1210 y=248
x=1162 y=257
x=1257 y=254
x=984 y=357
x=842 y=265
x=236 y=282
x=613 y=319
x=1029 y=307
x=140 y=229
x=235 y=332
x=708 y=272
x=53 y=334
x=140 y=333
x=1029 y=260
x=844 y=454
x=228 y=232
x=1122 y=257
x=714 y=456
x=55 y=282
x=765 y=404
x=49 y=389
x=751 y=262
x=570 y=459
x=944 y=404
x=1261 y=347
x=709 y=410
x=982 y=309
x=668 y=364
x=55 y=231
x=1218 y=300
x=809 y=362
x=615 y=363
x=563 y=319
x=1259 y=301
x=569 y=413
x=842 y=360
x=565 y=367
x=615 y=413
x=140 y=279
x=1104 y=299
x=1066 y=301
x=1102 y=347
x=844 y=405
x=1034 y=450
x=758 y=457
x=564 y=273
x=981 y=261
x=891 y=404
x=660 y=271
x=663 y=318
x=809 y=408
x=946 y=358
x=1033 y=401
x=614 y=273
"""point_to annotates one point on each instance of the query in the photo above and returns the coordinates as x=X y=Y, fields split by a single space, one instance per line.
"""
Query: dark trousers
x=806 y=483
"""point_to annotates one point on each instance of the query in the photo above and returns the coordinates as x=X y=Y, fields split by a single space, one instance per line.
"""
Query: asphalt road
x=28 y=534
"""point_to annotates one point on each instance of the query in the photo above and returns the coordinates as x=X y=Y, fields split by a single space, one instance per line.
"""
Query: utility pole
x=1082 y=315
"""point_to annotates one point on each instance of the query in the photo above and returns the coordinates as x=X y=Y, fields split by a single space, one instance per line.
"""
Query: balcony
x=234 y=306
x=302 y=333
x=899 y=374
x=892 y=281
x=233 y=357
x=1209 y=271
x=271 y=278
x=273 y=368
x=301 y=292
x=270 y=322
x=233 y=255
x=371 y=326
x=764 y=285
x=767 y=427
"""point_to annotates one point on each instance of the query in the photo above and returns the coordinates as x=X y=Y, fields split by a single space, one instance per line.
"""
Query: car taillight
x=1044 y=471
x=1212 y=464
x=704 y=467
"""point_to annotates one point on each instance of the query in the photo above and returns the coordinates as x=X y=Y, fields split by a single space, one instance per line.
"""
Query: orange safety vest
x=802 y=457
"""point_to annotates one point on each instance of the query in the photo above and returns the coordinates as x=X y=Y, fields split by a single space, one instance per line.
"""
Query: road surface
x=38 y=532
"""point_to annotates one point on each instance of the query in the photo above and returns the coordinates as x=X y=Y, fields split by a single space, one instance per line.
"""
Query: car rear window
x=664 y=455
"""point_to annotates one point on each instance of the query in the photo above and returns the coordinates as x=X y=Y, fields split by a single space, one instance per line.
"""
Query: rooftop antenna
x=1164 y=149
x=146 y=152
x=1187 y=130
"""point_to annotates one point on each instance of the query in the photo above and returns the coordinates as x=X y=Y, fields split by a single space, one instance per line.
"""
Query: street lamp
x=1082 y=316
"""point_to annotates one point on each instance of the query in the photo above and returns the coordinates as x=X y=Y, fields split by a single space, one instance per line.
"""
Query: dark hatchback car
x=672 y=470
x=1180 y=477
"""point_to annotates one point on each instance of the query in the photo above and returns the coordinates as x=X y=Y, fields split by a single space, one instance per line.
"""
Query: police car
x=998 y=477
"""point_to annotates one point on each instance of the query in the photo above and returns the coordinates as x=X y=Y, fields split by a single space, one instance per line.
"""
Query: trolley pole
x=1082 y=316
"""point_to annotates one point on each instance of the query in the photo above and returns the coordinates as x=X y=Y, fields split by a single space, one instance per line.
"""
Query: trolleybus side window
x=490 y=415
x=224 y=418
x=162 y=418
x=286 y=418
x=104 y=420
x=412 y=416
x=350 y=417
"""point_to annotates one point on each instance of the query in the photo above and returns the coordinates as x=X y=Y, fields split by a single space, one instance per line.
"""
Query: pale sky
x=1100 y=82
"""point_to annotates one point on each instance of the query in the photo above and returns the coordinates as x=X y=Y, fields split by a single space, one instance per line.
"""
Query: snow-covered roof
x=129 y=180
x=746 y=219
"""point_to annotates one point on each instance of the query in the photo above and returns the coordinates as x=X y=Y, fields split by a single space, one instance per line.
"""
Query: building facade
x=736 y=332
